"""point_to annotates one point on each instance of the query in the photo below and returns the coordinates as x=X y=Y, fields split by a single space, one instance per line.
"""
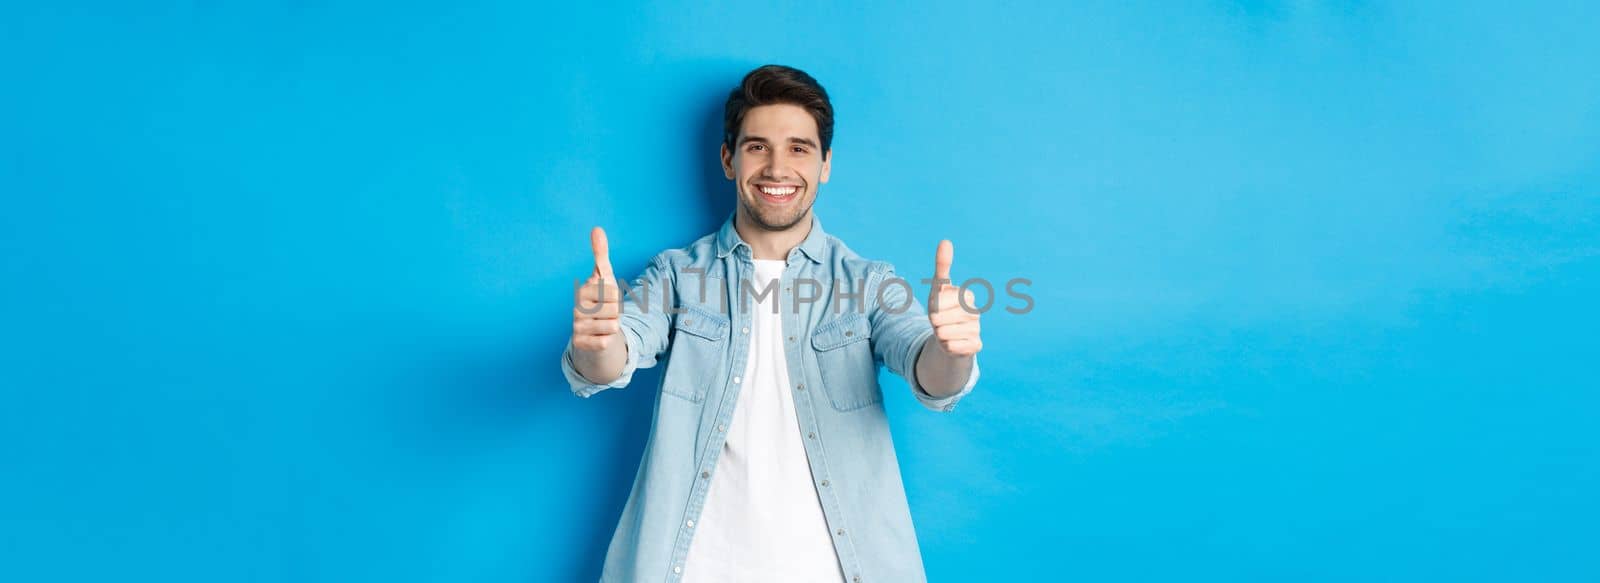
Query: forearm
x=940 y=373
x=604 y=365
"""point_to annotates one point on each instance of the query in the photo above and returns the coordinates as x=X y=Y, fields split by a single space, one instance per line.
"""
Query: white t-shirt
x=762 y=519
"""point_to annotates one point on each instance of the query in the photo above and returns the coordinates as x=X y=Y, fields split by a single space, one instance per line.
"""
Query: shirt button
x=721 y=427
x=799 y=387
x=705 y=474
x=811 y=435
x=824 y=483
x=839 y=532
x=856 y=579
x=745 y=330
x=849 y=333
x=677 y=569
x=690 y=523
x=736 y=380
x=791 y=339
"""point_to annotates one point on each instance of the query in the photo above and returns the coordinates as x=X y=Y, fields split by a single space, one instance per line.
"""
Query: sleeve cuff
x=582 y=386
x=944 y=404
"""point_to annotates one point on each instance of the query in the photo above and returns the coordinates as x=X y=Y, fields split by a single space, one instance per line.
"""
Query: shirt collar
x=812 y=247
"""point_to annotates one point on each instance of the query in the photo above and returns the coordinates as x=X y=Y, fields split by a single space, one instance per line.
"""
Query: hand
x=954 y=326
x=598 y=304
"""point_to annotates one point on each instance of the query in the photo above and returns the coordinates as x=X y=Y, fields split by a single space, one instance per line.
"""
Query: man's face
x=776 y=165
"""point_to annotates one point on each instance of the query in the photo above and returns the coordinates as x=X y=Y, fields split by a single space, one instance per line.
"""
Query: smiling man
x=770 y=458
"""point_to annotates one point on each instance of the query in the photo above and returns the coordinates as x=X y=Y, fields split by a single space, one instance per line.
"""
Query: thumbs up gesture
x=954 y=326
x=598 y=304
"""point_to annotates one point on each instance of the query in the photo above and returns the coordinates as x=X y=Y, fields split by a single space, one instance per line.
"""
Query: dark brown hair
x=773 y=84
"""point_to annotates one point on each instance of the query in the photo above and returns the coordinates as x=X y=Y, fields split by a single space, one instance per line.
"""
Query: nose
x=777 y=171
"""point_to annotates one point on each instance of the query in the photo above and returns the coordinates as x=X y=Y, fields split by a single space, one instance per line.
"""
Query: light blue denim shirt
x=686 y=307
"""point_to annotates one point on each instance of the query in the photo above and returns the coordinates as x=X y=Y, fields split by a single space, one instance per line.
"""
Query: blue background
x=284 y=286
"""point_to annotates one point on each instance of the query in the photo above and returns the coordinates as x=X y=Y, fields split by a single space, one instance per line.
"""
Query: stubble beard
x=769 y=219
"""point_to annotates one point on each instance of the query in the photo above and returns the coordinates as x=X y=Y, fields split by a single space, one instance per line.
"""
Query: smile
x=778 y=194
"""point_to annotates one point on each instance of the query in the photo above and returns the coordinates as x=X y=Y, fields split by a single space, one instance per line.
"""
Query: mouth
x=778 y=193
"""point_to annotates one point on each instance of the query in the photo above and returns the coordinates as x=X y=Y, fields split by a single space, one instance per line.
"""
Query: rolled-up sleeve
x=583 y=387
x=900 y=328
x=644 y=329
x=944 y=404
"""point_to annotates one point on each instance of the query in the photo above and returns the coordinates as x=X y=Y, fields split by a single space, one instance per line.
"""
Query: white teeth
x=785 y=191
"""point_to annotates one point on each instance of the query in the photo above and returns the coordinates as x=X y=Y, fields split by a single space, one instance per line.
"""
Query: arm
x=948 y=358
x=903 y=339
x=599 y=356
x=615 y=334
x=943 y=374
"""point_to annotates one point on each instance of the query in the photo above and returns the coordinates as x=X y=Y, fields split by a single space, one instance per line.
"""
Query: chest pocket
x=844 y=359
x=698 y=346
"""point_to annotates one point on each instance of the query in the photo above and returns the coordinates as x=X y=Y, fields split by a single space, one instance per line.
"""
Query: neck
x=771 y=244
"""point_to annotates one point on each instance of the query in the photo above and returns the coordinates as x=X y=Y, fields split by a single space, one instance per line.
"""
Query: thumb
x=942 y=259
x=602 y=253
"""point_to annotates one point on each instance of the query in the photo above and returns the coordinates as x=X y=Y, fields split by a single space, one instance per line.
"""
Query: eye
x=799 y=149
x=756 y=147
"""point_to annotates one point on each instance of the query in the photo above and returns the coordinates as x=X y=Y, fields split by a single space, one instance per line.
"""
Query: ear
x=727 y=161
x=827 y=165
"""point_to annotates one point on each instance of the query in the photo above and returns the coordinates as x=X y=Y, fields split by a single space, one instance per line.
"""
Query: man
x=770 y=458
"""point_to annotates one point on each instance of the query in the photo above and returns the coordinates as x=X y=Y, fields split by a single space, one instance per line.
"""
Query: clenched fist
x=595 y=327
x=954 y=326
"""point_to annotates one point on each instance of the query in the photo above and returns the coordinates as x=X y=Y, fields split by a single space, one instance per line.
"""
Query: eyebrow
x=806 y=141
